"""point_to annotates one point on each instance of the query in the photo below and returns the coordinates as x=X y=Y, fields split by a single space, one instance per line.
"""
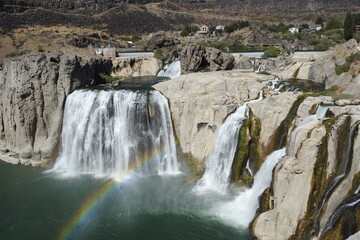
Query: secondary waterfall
x=242 y=209
x=115 y=133
x=351 y=203
x=172 y=70
x=344 y=168
x=218 y=165
x=320 y=114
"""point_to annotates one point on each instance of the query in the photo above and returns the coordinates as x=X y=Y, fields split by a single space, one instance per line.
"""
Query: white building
x=294 y=30
x=315 y=27
x=203 y=30
x=219 y=27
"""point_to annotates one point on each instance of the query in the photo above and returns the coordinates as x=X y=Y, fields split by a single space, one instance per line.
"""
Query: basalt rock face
x=200 y=102
x=320 y=67
x=134 y=67
x=32 y=98
x=195 y=58
x=318 y=173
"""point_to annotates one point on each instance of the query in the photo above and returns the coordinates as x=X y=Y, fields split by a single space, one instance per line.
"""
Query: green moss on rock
x=247 y=150
x=279 y=138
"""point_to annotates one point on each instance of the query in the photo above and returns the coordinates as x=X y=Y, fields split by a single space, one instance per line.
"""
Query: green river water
x=35 y=205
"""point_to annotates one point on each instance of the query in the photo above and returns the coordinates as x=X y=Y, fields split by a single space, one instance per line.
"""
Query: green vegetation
x=336 y=93
x=18 y=53
x=349 y=27
x=108 y=78
x=40 y=49
x=334 y=23
x=280 y=28
x=271 y=52
x=346 y=66
x=236 y=26
x=342 y=68
x=227 y=46
x=320 y=21
x=135 y=39
x=188 y=30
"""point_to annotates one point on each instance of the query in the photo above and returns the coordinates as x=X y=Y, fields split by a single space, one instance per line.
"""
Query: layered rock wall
x=200 y=102
x=32 y=98
x=134 y=67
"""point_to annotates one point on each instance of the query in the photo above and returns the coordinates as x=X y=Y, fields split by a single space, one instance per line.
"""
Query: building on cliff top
x=203 y=30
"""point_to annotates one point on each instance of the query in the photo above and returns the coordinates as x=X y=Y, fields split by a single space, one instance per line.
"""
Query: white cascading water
x=320 y=114
x=114 y=133
x=240 y=211
x=172 y=70
x=218 y=165
x=275 y=84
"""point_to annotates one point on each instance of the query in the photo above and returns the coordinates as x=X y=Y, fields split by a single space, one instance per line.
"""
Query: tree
x=349 y=27
x=320 y=20
x=334 y=23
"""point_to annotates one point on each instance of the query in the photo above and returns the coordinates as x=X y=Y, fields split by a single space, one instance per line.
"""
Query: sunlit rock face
x=33 y=93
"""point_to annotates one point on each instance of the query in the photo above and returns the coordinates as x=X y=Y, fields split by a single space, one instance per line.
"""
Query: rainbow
x=98 y=199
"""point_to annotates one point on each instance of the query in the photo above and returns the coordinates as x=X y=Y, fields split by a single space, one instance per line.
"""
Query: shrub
x=334 y=23
x=188 y=29
x=108 y=78
x=135 y=38
x=357 y=37
x=17 y=53
x=342 y=68
x=320 y=20
x=236 y=26
x=184 y=33
x=159 y=53
x=40 y=49
x=353 y=57
x=271 y=52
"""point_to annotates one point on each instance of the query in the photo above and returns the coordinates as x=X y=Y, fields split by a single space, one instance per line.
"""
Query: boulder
x=135 y=67
x=195 y=58
x=243 y=62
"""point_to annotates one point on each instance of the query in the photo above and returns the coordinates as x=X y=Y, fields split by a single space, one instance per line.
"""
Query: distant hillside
x=143 y=16
x=275 y=6
x=250 y=6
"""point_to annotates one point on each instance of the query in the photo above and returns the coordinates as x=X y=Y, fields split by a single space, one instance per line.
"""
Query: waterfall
x=344 y=170
x=114 y=133
x=350 y=203
x=172 y=70
x=274 y=84
x=257 y=66
x=218 y=165
x=248 y=168
x=320 y=114
x=242 y=209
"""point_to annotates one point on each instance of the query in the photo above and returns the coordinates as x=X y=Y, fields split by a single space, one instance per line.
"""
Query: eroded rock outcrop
x=320 y=67
x=195 y=58
x=137 y=66
x=317 y=174
x=32 y=98
x=200 y=102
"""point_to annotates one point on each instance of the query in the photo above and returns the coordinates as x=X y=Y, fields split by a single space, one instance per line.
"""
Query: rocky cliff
x=196 y=58
x=134 y=67
x=33 y=93
x=319 y=175
x=201 y=101
x=339 y=66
